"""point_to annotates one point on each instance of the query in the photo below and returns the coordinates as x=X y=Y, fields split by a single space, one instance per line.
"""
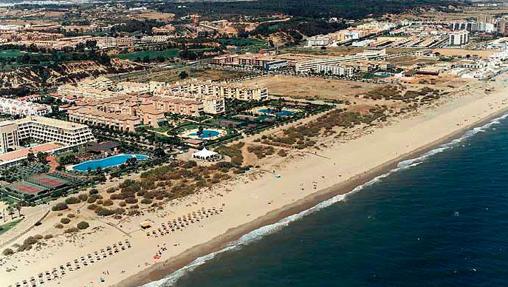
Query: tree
x=30 y=157
x=183 y=75
x=159 y=152
x=68 y=159
x=42 y=157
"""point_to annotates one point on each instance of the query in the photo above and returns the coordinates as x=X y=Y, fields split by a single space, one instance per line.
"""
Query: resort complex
x=41 y=130
x=137 y=136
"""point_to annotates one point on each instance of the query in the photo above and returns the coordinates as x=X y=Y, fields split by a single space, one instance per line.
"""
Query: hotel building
x=42 y=129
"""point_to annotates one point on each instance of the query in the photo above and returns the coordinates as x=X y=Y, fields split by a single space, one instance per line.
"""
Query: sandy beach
x=228 y=211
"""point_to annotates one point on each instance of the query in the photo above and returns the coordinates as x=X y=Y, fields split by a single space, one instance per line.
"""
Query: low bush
x=71 y=230
x=72 y=200
x=60 y=206
x=8 y=252
x=83 y=225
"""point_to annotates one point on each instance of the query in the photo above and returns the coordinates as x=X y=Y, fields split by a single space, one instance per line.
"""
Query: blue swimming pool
x=206 y=134
x=111 y=161
x=282 y=113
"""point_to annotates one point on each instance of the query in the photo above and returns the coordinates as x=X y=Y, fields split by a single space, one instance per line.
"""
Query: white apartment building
x=8 y=136
x=337 y=70
x=44 y=129
x=312 y=65
x=133 y=87
x=23 y=108
x=458 y=38
x=319 y=41
x=202 y=89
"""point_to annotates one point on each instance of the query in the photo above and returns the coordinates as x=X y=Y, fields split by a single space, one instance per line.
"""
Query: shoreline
x=161 y=270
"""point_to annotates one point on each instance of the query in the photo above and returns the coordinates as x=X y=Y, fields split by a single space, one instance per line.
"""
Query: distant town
x=139 y=120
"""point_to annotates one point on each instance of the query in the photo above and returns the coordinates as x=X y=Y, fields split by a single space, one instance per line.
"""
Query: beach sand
x=247 y=204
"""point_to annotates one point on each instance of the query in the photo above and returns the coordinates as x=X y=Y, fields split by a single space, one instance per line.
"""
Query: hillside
x=23 y=80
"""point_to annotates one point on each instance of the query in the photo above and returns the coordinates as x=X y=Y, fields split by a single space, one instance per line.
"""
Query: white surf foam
x=259 y=233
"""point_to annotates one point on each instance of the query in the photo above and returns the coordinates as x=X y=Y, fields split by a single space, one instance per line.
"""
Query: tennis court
x=26 y=187
x=47 y=181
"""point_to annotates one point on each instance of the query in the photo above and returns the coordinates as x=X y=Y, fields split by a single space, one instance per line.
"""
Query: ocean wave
x=259 y=233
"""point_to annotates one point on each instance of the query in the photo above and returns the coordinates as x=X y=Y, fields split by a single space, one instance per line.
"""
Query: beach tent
x=205 y=154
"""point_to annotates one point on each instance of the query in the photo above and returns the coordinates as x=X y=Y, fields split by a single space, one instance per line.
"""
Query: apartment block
x=23 y=108
x=8 y=136
x=42 y=129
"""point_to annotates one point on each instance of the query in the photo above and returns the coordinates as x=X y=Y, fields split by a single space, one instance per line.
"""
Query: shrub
x=131 y=200
x=83 y=225
x=8 y=252
x=107 y=202
x=101 y=211
x=71 y=230
x=71 y=215
x=83 y=197
x=65 y=220
x=92 y=207
x=30 y=240
x=72 y=200
x=146 y=201
x=122 y=203
x=93 y=191
x=59 y=206
x=58 y=226
x=111 y=190
x=91 y=199
x=48 y=236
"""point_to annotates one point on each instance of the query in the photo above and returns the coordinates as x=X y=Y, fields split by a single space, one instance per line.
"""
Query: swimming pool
x=206 y=134
x=111 y=161
x=282 y=113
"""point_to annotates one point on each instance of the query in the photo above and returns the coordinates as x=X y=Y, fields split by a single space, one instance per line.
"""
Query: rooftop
x=22 y=153
x=51 y=122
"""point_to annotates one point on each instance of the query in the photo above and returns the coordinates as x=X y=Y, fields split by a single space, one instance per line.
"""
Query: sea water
x=437 y=220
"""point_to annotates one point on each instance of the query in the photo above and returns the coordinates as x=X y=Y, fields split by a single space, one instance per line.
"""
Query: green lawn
x=169 y=53
x=247 y=44
x=4 y=228
x=12 y=53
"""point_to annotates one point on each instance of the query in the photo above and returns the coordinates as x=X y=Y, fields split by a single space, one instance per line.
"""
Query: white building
x=43 y=129
x=319 y=41
x=337 y=70
x=458 y=38
x=8 y=136
x=23 y=108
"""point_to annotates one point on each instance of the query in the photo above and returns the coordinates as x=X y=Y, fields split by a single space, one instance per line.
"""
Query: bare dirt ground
x=464 y=52
x=311 y=88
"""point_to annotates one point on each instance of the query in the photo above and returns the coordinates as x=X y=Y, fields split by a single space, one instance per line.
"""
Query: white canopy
x=205 y=154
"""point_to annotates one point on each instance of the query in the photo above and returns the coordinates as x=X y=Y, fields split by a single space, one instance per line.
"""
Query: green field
x=4 y=228
x=247 y=44
x=12 y=53
x=169 y=53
